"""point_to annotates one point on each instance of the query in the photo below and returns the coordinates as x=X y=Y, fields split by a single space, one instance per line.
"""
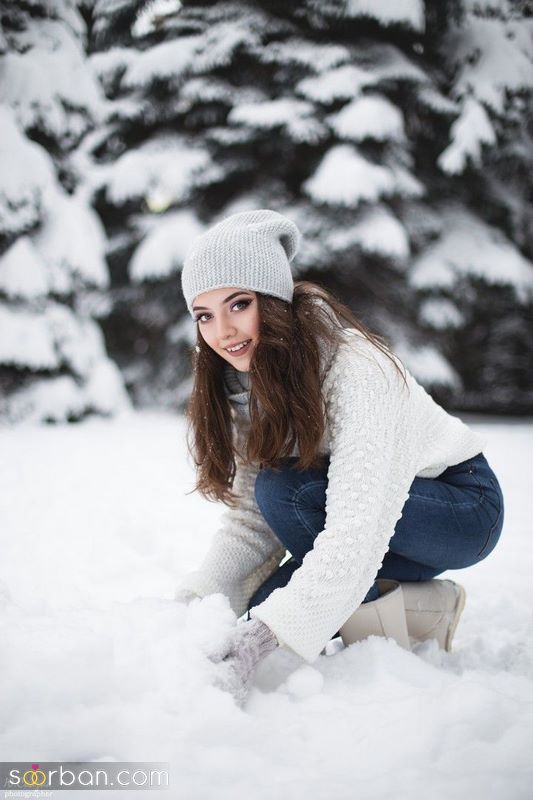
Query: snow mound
x=96 y=527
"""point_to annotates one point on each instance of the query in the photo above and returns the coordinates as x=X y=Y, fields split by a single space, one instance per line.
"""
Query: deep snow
x=99 y=663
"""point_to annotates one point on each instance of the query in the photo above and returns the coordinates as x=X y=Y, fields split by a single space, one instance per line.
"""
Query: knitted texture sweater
x=380 y=435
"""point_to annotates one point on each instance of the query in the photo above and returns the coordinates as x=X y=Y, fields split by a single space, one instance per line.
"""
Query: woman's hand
x=253 y=641
x=184 y=596
x=250 y=642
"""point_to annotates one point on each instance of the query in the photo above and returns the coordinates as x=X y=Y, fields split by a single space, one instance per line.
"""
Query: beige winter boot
x=432 y=610
x=382 y=617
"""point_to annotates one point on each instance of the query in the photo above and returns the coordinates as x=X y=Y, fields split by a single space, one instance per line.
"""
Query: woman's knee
x=270 y=486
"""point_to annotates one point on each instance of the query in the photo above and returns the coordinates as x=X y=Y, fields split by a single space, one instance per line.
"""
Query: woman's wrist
x=265 y=638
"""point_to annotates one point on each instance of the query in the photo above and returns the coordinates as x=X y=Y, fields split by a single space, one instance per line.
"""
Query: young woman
x=327 y=450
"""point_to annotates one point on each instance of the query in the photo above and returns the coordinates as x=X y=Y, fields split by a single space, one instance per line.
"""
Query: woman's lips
x=242 y=351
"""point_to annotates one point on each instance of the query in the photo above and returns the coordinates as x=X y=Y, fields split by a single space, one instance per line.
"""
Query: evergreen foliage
x=396 y=135
x=53 y=362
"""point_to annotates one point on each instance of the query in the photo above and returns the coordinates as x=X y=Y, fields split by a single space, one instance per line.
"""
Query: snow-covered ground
x=99 y=663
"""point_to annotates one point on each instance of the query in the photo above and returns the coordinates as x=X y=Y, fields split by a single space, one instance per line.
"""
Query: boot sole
x=459 y=606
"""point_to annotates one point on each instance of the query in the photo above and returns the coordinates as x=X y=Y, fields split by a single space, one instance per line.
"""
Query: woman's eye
x=246 y=303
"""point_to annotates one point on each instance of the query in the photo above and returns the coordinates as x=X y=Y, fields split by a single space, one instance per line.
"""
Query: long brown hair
x=285 y=402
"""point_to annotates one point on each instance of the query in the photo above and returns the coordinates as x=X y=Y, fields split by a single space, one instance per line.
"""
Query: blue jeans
x=448 y=522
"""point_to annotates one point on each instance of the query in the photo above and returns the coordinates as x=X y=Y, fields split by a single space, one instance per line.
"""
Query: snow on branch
x=428 y=366
x=162 y=251
x=376 y=230
x=26 y=340
x=440 y=313
x=190 y=55
x=49 y=338
x=368 y=117
x=23 y=272
x=408 y=13
x=26 y=175
x=315 y=57
x=72 y=244
x=270 y=114
x=470 y=131
x=492 y=57
x=110 y=63
x=48 y=83
x=388 y=62
x=344 y=177
x=62 y=399
x=54 y=242
x=164 y=166
x=296 y=116
x=431 y=97
x=152 y=15
x=172 y=59
x=469 y=246
x=341 y=83
x=215 y=90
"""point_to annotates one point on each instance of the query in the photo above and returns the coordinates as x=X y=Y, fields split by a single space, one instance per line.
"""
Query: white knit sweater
x=379 y=437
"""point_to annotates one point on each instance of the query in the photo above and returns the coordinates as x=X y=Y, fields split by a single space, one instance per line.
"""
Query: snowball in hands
x=185 y=596
x=253 y=640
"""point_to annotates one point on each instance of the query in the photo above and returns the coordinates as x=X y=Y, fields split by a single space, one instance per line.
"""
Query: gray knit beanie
x=250 y=249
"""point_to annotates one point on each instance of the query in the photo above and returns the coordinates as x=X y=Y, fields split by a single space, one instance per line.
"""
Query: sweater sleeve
x=244 y=551
x=371 y=469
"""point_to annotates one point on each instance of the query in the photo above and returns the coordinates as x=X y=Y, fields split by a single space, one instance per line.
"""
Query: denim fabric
x=448 y=522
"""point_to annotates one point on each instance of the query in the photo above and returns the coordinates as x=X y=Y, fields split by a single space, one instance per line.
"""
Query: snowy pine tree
x=477 y=276
x=385 y=131
x=53 y=362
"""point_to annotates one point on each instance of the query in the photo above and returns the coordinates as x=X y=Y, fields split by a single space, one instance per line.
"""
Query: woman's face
x=228 y=317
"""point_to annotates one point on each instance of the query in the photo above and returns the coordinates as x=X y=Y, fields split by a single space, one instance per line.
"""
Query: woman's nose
x=225 y=329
